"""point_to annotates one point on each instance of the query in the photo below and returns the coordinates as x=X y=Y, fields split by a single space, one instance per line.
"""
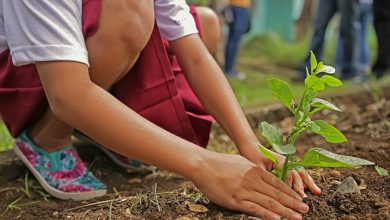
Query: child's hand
x=298 y=180
x=234 y=182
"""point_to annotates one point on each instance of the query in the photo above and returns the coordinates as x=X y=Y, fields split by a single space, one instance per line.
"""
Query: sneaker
x=122 y=161
x=237 y=75
x=62 y=173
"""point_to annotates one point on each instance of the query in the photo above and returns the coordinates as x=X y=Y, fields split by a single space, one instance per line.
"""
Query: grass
x=254 y=89
x=270 y=48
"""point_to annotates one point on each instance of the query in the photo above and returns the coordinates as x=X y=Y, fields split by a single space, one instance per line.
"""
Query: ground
x=155 y=194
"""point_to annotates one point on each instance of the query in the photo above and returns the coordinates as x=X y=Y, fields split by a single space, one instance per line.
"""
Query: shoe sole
x=53 y=191
x=86 y=139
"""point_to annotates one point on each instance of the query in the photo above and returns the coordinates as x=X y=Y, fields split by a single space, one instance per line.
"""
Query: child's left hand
x=298 y=180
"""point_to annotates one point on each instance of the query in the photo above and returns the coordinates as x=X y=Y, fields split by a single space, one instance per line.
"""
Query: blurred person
x=349 y=10
x=239 y=24
x=382 y=28
x=364 y=64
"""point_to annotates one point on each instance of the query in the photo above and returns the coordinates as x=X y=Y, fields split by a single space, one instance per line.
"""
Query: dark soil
x=161 y=195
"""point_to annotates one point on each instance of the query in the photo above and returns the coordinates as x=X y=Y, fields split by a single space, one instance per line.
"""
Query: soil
x=156 y=194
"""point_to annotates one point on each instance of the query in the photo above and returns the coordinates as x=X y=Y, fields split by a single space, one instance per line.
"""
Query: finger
x=298 y=185
x=289 y=179
x=274 y=206
x=278 y=184
x=256 y=210
x=282 y=198
x=309 y=182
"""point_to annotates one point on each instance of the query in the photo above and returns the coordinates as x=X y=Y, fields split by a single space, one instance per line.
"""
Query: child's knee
x=210 y=25
x=125 y=27
x=128 y=22
x=137 y=28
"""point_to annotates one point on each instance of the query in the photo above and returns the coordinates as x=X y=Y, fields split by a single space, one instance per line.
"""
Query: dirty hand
x=298 y=180
x=234 y=182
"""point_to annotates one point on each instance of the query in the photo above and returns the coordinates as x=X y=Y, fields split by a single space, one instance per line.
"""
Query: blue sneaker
x=62 y=173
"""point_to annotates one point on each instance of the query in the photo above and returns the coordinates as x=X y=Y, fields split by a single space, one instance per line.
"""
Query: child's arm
x=215 y=93
x=229 y=180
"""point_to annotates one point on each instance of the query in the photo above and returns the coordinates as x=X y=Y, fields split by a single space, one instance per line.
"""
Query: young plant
x=317 y=79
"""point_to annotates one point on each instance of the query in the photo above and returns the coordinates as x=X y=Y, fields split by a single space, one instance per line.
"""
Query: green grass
x=6 y=140
x=270 y=48
x=254 y=89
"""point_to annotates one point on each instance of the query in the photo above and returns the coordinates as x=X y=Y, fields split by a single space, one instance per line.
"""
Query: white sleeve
x=44 y=30
x=174 y=19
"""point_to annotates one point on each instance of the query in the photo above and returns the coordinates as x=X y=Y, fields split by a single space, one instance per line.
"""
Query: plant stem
x=292 y=136
x=284 y=168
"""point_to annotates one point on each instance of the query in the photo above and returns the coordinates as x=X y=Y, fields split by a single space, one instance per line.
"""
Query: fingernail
x=303 y=208
x=304 y=195
x=296 y=216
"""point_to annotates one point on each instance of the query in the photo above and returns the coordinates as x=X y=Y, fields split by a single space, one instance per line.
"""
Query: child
x=77 y=62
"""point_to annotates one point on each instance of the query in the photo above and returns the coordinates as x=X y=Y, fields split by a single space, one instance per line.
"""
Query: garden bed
x=163 y=195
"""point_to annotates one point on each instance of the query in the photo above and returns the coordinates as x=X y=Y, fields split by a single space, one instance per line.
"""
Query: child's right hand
x=234 y=182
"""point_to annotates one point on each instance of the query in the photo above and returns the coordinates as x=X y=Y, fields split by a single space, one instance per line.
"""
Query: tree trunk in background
x=305 y=21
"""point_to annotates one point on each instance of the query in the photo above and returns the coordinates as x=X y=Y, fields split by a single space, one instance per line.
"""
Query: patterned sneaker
x=122 y=161
x=61 y=173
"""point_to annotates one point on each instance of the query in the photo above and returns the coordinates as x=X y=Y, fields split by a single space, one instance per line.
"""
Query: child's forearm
x=214 y=91
x=87 y=107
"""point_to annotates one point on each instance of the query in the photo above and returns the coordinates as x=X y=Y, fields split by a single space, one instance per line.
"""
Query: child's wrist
x=193 y=166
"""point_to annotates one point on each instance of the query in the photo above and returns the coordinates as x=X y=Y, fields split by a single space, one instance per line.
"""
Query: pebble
x=335 y=173
x=56 y=214
x=184 y=218
x=349 y=217
x=348 y=185
x=128 y=212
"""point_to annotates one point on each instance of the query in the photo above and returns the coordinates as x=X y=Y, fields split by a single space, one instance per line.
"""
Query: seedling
x=318 y=78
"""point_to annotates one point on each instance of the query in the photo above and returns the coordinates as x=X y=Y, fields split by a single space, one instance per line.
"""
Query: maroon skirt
x=155 y=88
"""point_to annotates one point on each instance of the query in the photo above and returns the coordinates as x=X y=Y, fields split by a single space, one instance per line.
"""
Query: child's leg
x=211 y=28
x=124 y=29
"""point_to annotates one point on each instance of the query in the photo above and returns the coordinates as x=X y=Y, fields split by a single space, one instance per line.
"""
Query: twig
x=9 y=188
x=101 y=202
x=156 y=197
x=110 y=212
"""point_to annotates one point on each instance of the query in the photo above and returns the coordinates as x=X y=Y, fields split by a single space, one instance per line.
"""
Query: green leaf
x=268 y=154
x=314 y=128
x=314 y=83
x=317 y=157
x=381 y=171
x=287 y=149
x=330 y=133
x=331 y=81
x=313 y=62
x=323 y=104
x=320 y=66
x=282 y=91
x=307 y=100
x=272 y=134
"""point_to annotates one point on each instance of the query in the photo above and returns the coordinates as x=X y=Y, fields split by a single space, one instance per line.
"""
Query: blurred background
x=275 y=44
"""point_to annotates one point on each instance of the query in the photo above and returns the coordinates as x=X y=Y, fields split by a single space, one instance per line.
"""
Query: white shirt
x=48 y=30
